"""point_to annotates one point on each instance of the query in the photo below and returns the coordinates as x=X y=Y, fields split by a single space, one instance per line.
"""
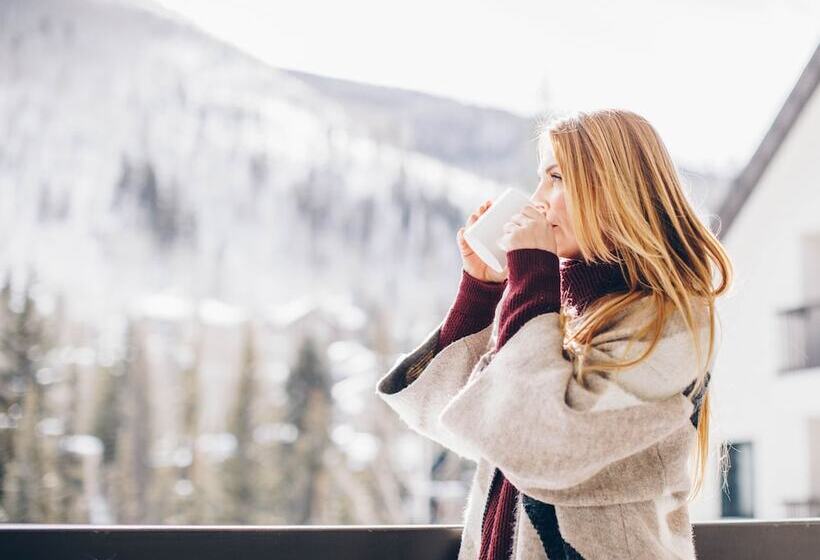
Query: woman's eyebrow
x=550 y=167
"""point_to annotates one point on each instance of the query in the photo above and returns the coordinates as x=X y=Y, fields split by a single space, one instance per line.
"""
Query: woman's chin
x=567 y=255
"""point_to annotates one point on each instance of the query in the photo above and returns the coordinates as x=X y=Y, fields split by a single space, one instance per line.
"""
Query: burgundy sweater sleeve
x=535 y=288
x=473 y=309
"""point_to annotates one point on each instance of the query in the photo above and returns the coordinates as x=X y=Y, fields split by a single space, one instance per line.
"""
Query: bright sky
x=710 y=75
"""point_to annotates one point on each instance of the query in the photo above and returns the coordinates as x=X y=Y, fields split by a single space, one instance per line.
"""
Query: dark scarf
x=583 y=282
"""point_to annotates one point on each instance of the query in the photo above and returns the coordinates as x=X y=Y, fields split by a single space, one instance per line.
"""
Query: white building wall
x=751 y=400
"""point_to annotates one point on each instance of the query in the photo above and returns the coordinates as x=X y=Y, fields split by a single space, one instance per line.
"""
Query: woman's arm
x=529 y=415
x=420 y=384
x=472 y=310
x=535 y=288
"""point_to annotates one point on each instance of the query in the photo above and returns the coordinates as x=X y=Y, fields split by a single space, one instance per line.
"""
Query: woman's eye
x=556 y=177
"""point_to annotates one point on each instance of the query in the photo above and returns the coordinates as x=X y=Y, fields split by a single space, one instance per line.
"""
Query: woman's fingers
x=461 y=241
x=519 y=219
x=477 y=214
x=532 y=212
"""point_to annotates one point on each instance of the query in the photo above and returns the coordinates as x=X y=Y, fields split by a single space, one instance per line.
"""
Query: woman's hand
x=473 y=265
x=529 y=229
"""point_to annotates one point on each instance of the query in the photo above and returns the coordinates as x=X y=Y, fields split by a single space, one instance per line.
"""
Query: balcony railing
x=800 y=333
x=796 y=539
x=803 y=508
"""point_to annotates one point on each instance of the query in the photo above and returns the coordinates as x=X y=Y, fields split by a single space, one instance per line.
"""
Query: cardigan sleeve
x=421 y=382
x=528 y=414
x=472 y=310
x=535 y=288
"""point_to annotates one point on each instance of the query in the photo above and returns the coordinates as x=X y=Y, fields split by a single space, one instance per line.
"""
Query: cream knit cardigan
x=611 y=455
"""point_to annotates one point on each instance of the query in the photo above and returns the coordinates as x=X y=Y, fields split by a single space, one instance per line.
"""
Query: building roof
x=745 y=182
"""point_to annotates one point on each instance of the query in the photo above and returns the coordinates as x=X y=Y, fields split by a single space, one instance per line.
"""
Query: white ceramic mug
x=483 y=236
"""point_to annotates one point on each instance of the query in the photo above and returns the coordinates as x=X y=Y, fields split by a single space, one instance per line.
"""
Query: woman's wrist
x=537 y=272
x=523 y=263
x=535 y=288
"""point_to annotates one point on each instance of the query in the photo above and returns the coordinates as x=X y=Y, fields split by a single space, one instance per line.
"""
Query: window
x=738 y=499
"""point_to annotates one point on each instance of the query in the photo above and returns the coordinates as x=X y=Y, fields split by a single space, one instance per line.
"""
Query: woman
x=582 y=405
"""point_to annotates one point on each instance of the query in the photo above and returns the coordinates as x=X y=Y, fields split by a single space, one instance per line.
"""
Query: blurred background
x=222 y=222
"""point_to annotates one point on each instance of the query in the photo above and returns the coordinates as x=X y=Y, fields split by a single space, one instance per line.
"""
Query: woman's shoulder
x=633 y=316
x=671 y=364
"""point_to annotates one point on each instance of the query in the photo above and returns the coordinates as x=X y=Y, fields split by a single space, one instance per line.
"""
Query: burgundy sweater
x=538 y=283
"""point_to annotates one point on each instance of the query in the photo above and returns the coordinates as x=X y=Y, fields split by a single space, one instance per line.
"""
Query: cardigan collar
x=582 y=281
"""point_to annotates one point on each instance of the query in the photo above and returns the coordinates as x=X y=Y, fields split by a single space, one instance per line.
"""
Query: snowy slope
x=141 y=155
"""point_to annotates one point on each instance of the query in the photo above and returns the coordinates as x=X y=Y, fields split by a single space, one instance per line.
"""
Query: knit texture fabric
x=519 y=409
x=583 y=282
x=538 y=283
x=473 y=309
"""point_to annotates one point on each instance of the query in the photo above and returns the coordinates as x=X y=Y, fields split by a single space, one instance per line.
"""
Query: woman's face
x=550 y=193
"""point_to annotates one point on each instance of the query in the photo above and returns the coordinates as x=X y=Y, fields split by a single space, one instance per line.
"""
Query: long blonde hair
x=626 y=203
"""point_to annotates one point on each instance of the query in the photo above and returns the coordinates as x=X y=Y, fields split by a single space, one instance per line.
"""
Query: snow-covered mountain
x=142 y=156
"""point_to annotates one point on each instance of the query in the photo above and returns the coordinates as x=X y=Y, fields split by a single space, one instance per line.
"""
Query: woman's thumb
x=460 y=238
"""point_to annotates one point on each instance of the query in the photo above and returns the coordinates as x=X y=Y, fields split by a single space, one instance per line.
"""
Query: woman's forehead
x=547 y=157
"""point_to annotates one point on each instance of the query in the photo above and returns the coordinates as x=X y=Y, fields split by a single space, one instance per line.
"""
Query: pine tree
x=9 y=408
x=107 y=425
x=24 y=342
x=133 y=447
x=309 y=410
x=240 y=471
x=108 y=414
x=189 y=505
x=68 y=500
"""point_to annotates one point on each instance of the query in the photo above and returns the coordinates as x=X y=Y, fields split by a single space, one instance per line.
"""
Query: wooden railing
x=796 y=539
